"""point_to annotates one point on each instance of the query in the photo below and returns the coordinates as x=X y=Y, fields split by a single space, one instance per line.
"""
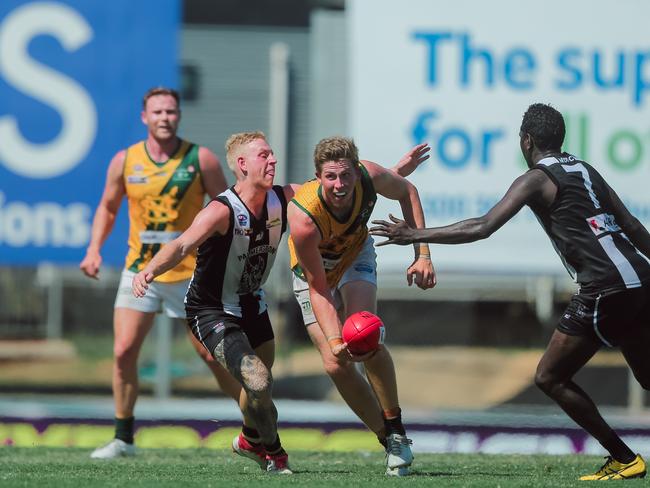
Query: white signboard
x=460 y=75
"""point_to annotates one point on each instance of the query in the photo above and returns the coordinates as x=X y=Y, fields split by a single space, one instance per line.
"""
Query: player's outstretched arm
x=214 y=181
x=632 y=227
x=525 y=189
x=104 y=219
x=214 y=218
x=393 y=186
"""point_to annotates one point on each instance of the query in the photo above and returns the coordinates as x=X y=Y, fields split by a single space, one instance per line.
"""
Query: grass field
x=58 y=467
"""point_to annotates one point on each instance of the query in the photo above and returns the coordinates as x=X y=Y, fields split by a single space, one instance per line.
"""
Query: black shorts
x=211 y=326
x=607 y=318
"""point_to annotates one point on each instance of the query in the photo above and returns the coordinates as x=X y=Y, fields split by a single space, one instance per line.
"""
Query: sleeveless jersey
x=231 y=268
x=163 y=200
x=583 y=230
x=340 y=242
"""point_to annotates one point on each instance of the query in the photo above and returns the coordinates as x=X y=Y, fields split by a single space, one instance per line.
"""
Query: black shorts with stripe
x=608 y=318
x=210 y=326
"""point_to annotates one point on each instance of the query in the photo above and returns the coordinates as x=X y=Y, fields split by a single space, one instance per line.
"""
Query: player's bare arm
x=306 y=238
x=632 y=227
x=412 y=159
x=533 y=187
x=105 y=214
x=214 y=181
x=214 y=218
x=394 y=187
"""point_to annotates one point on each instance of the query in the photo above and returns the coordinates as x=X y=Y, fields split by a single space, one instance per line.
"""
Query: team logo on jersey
x=602 y=223
x=138 y=167
x=242 y=219
x=183 y=174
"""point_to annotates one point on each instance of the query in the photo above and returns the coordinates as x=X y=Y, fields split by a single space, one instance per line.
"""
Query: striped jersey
x=583 y=230
x=231 y=268
x=163 y=200
x=341 y=241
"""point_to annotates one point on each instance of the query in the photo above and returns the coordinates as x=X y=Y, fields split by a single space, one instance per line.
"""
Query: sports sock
x=275 y=448
x=251 y=435
x=393 y=421
x=618 y=449
x=382 y=441
x=124 y=429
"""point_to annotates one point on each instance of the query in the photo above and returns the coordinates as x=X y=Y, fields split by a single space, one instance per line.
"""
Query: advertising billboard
x=459 y=75
x=72 y=76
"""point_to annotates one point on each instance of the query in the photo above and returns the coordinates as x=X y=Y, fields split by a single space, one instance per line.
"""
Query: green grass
x=60 y=467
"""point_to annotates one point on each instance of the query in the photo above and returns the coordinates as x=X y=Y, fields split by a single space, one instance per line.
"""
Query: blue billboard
x=72 y=76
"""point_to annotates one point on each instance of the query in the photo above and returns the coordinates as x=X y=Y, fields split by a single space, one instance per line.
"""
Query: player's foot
x=613 y=470
x=278 y=463
x=398 y=455
x=244 y=448
x=114 y=449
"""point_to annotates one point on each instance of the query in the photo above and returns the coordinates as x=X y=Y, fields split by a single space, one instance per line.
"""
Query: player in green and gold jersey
x=165 y=180
x=334 y=266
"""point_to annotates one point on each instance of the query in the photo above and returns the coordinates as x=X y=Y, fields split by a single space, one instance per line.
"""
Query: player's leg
x=173 y=304
x=359 y=295
x=349 y=382
x=132 y=321
x=636 y=344
x=229 y=385
x=564 y=357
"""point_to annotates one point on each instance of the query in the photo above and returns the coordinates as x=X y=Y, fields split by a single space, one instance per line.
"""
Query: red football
x=363 y=331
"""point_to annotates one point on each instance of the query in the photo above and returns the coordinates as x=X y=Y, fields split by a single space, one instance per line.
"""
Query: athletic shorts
x=161 y=297
x=363 y=268
x=211 y=326
x=607 y=318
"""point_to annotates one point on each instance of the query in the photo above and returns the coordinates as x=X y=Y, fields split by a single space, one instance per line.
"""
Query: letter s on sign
x=75 y=106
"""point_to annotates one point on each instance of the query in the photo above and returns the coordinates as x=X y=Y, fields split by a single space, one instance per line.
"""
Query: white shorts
x=161 y=297
x=363 y=268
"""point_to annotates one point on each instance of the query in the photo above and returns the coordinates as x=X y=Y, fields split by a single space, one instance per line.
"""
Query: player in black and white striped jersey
x=604 y=248
x=237 y=235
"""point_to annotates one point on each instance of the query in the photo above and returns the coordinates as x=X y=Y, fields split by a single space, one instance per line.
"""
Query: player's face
x=161 y=116
x=258 y=163
x=337 y=179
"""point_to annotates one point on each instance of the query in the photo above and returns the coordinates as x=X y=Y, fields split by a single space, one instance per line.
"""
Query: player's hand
x=422 y=273
x=91 y=264
x=398 y=232
x=140 y=283
x=412 y=159
x=342 y=352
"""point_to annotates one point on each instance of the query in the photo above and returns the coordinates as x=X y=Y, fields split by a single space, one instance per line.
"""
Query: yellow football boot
x=613 y=470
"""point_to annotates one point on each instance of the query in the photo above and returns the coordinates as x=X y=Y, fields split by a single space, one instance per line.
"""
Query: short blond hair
x=235 y=143
x=334 y=149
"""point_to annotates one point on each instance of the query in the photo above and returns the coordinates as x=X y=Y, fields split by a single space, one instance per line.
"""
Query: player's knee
x=125 y=352
x=338 y=371
x=545 y=381
x=258 y=383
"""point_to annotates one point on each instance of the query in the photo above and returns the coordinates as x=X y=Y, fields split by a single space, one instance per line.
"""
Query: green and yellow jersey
x=163 y=200
x=340 y=242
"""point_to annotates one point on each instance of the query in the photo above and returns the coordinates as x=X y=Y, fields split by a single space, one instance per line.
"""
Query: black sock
x=618 y=449
x=382 y=441
x=124 y=429
x=275 y=448
x=251 y=435
x=394 y=426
